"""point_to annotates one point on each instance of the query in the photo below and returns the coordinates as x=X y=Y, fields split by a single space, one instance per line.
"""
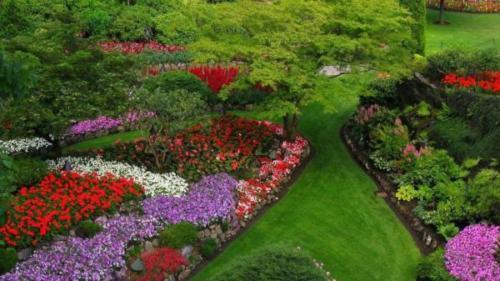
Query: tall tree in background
x=441 y=13
x=417 y=8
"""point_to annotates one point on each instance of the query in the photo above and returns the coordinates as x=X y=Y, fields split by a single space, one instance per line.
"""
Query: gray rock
x=148 y=246
x=156 y=243
x=185 y=274
x=187 y=251
x=334 y=70
x=137 y=266
x=24 y=254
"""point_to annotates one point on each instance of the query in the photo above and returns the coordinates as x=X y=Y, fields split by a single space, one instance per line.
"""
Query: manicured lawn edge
x=426 y=238
x=285 y=188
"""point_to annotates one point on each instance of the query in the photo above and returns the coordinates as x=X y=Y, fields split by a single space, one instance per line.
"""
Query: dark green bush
x=178 y=235
x=431 y=268
x=88 y=228
x=208 y=248
x=273 y=263
x=181 y=80
x=29 y=171
x=462 y=62
x=8 y=259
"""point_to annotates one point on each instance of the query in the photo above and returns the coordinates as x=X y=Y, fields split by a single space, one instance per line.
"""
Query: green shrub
x=462 y=62
x=484 y=197
x=178 y=235
x=273 y=263
x=431 y=268
x=180 y=80
x=417 y=10
x=88 y=228
x=8 y=259
x=29 y=171
x=133 y=24
x=208 y=248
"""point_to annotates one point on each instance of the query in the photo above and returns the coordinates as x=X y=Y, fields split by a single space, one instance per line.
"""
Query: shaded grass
x=465 y=30
x=105 y=141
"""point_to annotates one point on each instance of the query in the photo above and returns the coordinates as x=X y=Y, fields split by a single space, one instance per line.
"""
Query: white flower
x=154 y=184
x=24 y=145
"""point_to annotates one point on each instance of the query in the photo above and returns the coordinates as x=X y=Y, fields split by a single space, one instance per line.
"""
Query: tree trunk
x=290 y=124
x=441 y=12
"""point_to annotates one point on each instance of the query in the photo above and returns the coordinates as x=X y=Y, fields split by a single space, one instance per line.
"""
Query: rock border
x=426 y=237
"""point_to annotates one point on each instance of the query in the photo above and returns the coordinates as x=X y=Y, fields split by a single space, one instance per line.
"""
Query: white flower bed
x=154 y=184
x=24 y=145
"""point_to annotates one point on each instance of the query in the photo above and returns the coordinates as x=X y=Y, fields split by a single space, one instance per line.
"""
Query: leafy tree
x=284 y=43
x=418 y=11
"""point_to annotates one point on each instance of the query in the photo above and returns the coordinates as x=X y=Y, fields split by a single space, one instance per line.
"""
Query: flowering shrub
x=471 y=254
x=161 y=261
x=96 y=258
x=216 y=77
x=59 y=201
x=25 y=145
x=228 y=145
x=487 y=81
x=139 y=47
x=107 y=123
x=271 y=175
x=153 y=183
x=210 y=199
x=366 y=113
x=412 y=150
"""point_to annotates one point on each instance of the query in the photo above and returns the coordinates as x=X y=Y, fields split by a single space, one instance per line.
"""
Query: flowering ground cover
x=106 y=123
x=139 y=47
x=24 y=145
x=487 y=81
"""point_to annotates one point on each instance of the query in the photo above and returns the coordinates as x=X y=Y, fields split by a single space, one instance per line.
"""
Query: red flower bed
x=488 y=81
x=161 y=261
x=59 y=201
x=139 y=47
x=215 y=76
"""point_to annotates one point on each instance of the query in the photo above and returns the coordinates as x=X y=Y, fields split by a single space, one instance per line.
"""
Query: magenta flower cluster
x=106 y=123
x=470 y=256
x=211 y=198
x=96 y=258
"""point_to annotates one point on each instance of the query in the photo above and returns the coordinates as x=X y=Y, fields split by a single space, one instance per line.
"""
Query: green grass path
x=332 y=212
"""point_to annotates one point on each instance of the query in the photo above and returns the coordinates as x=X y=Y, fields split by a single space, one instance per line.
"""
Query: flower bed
x=153 y=183
x=487 y=81
x=481 y=6
x=216 y=77
x=59 y=201
x=25 y=145
x=472 y=254
x=139 y=47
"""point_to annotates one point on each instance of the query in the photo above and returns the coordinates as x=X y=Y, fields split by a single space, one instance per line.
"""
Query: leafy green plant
x=406 y=193
x=88 y=228
x=178 y=235
x=431 y=268
x=208 y=248
x=8 y=259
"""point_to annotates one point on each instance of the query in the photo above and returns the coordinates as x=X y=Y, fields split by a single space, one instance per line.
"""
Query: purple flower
x=106 y=123
x=210 y=199
x=470 y=256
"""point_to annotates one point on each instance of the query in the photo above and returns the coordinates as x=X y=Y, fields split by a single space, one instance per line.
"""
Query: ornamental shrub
x=417 y=10
x=8 y=259
x=208 y=248
x=87 y=229
x=272 y=263
x=431 y=268
x=178 y=235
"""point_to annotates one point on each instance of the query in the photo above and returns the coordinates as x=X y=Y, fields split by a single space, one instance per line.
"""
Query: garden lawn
x=332 y=211
x=105 y=141
x=465 y=29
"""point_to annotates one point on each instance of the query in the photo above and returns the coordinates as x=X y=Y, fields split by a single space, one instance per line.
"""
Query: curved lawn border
x=424 y=236
x=244 y=226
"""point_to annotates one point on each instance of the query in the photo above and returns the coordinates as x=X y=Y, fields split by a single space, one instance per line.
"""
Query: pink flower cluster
x=106 y=123
x=470 y=256
x=271 y=174
x=412 y=150
x=366 y=113
x=139 y=47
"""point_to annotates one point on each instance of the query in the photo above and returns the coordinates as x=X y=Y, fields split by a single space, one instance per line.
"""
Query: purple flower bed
x=471 y=254
x=211 y=198
x=106 y=123
x=96 y=258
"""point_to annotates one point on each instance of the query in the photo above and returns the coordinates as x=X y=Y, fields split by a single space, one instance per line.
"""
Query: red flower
x=215 y=76
x=161 y=261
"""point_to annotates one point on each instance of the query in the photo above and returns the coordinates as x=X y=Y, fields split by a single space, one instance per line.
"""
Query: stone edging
x=243 y=226
x=424 y=236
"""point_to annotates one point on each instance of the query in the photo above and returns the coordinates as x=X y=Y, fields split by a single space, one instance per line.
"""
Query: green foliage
x=176 y=28
x=18 y=73
x=87 y=229
x=431 y=268
x=417 y=10
x=15 y=173
x=273 y=263
x=462 y=61
x=484 y=196
x=135 y=23
x=406 y=193
x=208 y=248
x=8 y=259
x=178 y=235
x=387 y=143
x=180 y=80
